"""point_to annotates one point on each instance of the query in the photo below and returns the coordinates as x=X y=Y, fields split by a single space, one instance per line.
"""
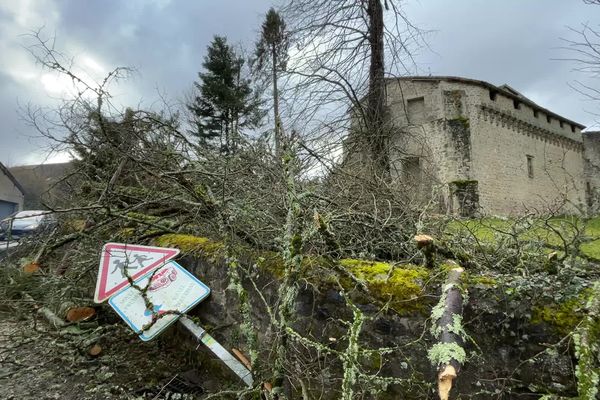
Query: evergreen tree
x=272 y=56
x=225 y=102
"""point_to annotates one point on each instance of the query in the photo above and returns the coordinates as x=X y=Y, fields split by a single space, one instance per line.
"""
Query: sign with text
x=119 y=261
x=171 y=290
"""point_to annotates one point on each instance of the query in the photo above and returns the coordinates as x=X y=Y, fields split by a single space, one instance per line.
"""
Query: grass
x=551 y=231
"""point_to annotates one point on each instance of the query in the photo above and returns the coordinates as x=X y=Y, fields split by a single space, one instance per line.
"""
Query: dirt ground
x=39 y=362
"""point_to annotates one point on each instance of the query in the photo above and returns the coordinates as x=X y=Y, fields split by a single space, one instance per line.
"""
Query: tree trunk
x=450 y=330
x=276 y=105
x=377 y=135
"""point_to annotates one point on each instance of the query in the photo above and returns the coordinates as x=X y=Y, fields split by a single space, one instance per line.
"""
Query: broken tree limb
x=432 y=248
x=45 y=312
x=448 y=353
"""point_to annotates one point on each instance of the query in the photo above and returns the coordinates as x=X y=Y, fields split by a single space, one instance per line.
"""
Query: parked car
x=24 y=223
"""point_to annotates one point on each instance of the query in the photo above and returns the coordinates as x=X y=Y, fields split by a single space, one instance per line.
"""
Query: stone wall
x=507 y=133
x=483 y=135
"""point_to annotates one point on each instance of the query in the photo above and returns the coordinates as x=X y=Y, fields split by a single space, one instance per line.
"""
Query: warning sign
x=172 y=292
x=120 y=260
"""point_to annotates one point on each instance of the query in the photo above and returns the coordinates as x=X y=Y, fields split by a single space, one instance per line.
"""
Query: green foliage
x=273 y=44
x=225 y=102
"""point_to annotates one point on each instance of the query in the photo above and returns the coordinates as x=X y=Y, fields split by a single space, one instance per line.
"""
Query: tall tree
x=348 y=48
x=225 y=102
x=272 y=53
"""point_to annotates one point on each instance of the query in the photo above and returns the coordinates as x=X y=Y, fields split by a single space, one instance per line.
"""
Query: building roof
x=503 y=89
x=10 y=176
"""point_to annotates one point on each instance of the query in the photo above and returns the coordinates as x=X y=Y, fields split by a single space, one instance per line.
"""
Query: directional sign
x=171 y=289
x=119 y=260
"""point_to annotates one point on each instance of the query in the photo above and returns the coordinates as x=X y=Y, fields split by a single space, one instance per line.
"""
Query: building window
x=573 y=128
x=493 y=95
x=411 y=169
x=530 y=166
x=416 y=110
x=549 y=119
x=517 y=104
x=561 y=124
x=536 y=113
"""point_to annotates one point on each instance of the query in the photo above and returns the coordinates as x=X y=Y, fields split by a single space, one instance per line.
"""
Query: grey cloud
x=508 y=41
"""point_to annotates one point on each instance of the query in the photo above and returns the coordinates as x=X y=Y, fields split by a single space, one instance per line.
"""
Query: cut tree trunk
x=453 y=306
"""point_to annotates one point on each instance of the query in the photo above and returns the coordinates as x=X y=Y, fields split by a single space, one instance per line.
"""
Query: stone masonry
x=480 y=148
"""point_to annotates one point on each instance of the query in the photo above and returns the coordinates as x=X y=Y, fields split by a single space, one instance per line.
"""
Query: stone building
x=11 y=193
x=480 y=148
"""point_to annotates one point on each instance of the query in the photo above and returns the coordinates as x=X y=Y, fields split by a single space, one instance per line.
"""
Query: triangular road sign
x=119 y=260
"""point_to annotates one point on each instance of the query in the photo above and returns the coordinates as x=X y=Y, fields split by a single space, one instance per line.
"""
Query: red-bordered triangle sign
x=119 y=260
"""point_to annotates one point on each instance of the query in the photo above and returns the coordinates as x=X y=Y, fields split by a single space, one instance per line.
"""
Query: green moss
x=464 y=121
x=482 y=280
x=461 y=184
x=400 y=285
x=564 y=316
x=126 y=232
x=190 y=244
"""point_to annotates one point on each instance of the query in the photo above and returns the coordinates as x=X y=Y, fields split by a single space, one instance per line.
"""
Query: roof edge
x=490 y=86
x=12 y=178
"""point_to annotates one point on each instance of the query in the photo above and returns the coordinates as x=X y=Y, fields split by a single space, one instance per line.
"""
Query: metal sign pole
x=200 y=333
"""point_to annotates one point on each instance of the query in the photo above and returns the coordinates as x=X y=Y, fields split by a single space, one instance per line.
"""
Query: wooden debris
x=423 y=240
x=95 y=350
x=78 y=314
x=433 y=249
x=448 y=354
x=31 y=268
x=45 y=312
x=243 y=359
x=445 y=379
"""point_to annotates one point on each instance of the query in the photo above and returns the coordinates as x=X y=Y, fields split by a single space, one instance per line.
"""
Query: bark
x=453 y=306
x=276 y=105
x=377 y=135
x=433 y=249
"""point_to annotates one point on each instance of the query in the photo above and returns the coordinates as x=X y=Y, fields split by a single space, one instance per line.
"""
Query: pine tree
x=225 y=102
x=271 y=54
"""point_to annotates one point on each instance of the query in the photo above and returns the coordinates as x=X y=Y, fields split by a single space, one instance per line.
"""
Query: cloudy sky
x=501 y=41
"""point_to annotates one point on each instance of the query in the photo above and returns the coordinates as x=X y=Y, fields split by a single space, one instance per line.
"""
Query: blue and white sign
x=171 y=289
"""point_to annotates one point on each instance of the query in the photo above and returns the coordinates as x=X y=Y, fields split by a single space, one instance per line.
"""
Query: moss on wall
x=401 y=285
x=189 y=244
x=564 y=316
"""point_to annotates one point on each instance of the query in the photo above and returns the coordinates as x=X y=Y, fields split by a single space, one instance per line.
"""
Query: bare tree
x=344 y=52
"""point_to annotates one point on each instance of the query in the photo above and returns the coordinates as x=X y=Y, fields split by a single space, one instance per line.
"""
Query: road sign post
x=202 y=336
x=150 y=292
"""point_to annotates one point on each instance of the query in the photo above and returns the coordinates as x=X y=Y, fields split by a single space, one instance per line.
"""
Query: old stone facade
x=480 y=148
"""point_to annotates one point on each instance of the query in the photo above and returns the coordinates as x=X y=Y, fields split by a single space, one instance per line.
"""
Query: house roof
x=10 y=176
x=503 y=89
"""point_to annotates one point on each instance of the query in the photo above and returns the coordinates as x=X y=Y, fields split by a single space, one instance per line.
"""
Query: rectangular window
x=411 y=169
x=416 y=110
x=530 y=166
